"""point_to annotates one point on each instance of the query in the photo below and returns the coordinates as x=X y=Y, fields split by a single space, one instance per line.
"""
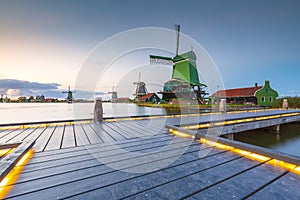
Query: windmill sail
x=177 y=29
x=160 y=60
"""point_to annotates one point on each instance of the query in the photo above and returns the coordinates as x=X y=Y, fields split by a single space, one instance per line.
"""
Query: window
x=271 y=99
x=263 y=99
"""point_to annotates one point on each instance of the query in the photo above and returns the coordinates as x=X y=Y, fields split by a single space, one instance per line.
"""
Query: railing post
x=222 y=107
x=285 y=104
x=98 y=110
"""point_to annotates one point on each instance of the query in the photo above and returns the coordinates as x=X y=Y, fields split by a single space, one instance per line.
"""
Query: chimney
x=256 y=85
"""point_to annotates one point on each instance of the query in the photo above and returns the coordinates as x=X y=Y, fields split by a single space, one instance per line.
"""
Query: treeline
x=294 y=102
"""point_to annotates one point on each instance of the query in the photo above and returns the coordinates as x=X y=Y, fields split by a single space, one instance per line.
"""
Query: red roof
x=123 y=99
x=147 y=96
x=237 y=92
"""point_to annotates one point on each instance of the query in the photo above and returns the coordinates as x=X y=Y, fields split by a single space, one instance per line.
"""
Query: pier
x=124 y=158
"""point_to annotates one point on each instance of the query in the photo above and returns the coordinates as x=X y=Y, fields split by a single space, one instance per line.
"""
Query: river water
x=34 y=112
x=287 y=141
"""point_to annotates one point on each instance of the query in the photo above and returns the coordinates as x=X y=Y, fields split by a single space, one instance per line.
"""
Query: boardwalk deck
x=79 y=173
x=127 y=160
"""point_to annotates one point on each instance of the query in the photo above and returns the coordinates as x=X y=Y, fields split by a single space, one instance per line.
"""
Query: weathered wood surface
x=65 y=136
x=97 y=161
x=10 y=160
x=79 y=173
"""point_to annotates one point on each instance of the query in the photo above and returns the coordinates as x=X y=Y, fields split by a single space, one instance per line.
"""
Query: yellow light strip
x=7 y=183
x=3 y=152
x=297 y=170
x=235 y=121
x=181 y=134
x=248 y=154
x=283 y=164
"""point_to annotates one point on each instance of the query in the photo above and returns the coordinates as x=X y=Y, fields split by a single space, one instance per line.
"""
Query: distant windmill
x=141 y=89
x=185 y=76
x=114 y=95
x=69 y=98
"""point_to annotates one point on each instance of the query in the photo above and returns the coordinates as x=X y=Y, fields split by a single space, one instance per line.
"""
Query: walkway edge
x=9 y=161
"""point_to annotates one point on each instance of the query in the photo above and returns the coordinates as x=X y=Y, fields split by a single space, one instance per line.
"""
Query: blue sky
x=250 y=41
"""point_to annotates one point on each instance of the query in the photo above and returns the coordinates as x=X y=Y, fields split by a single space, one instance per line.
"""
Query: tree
x=31 y=98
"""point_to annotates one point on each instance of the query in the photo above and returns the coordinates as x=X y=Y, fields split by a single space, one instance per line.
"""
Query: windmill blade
x=160 y=60
x=139 y=77
x=177 y=29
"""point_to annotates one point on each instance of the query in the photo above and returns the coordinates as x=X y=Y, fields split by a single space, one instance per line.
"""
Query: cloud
x=15 y=88
x=20 y=84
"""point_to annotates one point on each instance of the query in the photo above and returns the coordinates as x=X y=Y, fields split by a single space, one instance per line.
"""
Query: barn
x=257 y=95
x=150 y=97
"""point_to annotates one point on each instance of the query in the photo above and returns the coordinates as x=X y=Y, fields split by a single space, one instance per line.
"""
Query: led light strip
x=236 y=121
x=254 y=156
x=7 y=183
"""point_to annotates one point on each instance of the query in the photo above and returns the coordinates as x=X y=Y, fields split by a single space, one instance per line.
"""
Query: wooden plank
x=66 y=182
x=120 y=131
x=242 y=185
x=188 y=157
x=43 y=140
x=5 y=153
x=9 y=161
x=21 y=136
x=183 y=187
x=139 y=128
x=105 y=137
x=56 y=139
x=152 y=123
x=11 y=134
x=36 y=134
x=93 y=138
x=68 y=139
x=140 y=183
x=81 y=136
x=112 y=134
x=118 y=126
x=286 y=187
x=6 y=132
x=111 y=130
x=109 y=153
x=121 y=143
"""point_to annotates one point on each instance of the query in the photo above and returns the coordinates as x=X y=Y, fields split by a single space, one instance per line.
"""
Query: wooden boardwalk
x=127 y=160
x=78 y=173
x=72 y=135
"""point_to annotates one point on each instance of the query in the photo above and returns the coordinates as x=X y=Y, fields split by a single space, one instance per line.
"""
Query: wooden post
x=222 y=107
x=277 y=128
x=98 y=110
x=285 y=104
x=229 y=136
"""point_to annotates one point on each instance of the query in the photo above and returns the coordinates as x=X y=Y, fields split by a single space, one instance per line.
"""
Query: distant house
x=40 y=98
x=22 y=99
x=49 y=100
x=258 y=95
x=122 y=100
x=150 y=97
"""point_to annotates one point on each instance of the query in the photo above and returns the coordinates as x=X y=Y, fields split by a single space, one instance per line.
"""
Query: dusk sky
x=46 y=42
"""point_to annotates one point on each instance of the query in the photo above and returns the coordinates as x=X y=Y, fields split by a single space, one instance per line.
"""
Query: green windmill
x=69 y=98
x=185 y=82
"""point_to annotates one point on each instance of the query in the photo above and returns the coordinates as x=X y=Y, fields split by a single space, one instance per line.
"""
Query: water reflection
x=287 y=140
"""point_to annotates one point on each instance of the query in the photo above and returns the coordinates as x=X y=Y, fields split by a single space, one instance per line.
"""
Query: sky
x=46 y=43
